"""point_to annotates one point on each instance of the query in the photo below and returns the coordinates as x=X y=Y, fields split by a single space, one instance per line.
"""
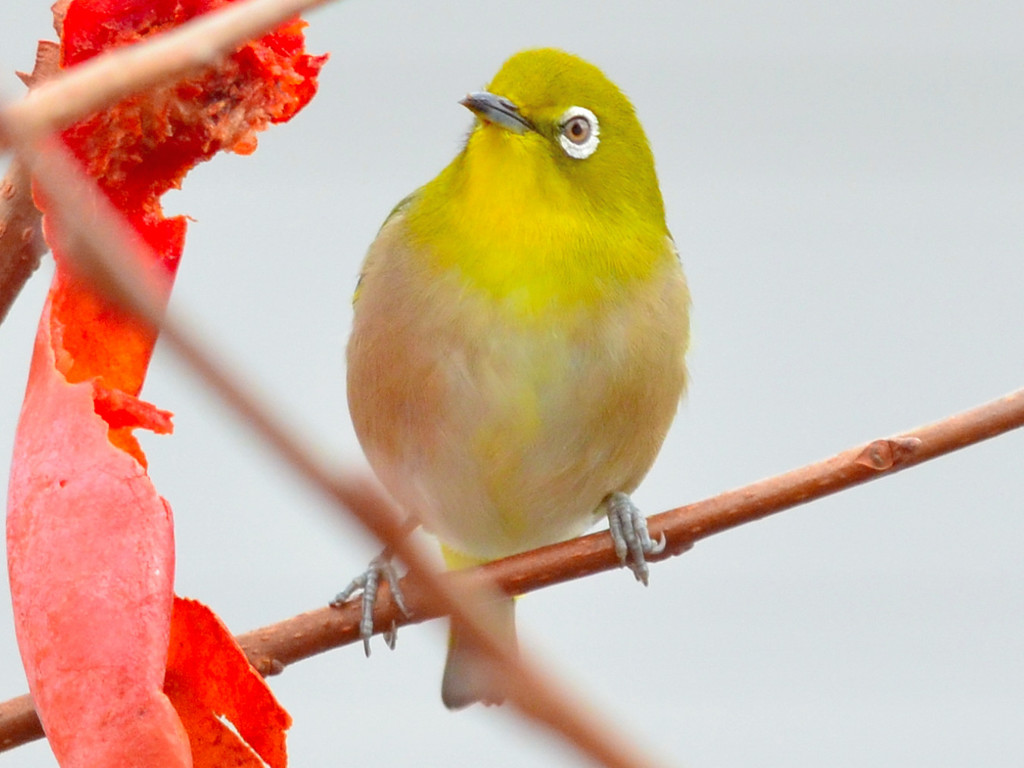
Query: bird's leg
x=368 y=583
x=628 y=528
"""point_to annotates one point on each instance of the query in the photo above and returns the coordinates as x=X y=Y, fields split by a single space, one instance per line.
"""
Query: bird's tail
x=469 y=674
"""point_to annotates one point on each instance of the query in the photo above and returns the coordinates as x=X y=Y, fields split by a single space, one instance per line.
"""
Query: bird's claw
x=632 y=542
x=368 y=583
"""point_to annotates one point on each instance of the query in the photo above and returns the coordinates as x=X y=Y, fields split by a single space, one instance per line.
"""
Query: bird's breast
x=503 y=434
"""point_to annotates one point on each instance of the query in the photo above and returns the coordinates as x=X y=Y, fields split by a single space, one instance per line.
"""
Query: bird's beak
x=497 y=110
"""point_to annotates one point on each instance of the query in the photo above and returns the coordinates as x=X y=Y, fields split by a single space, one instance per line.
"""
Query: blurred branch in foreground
x=104 y=249
x=274 y=647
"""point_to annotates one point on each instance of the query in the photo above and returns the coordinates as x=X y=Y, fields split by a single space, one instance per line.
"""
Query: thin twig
x=274 y=647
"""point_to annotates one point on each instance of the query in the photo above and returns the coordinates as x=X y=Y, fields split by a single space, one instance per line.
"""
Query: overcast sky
x=844 y=181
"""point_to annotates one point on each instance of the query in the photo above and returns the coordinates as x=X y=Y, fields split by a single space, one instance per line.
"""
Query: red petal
x=209 y=677
x=90 y=543
x=90 y=552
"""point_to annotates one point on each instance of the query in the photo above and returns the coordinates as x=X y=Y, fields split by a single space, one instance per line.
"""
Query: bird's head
x=553 y=121
x=554 y=200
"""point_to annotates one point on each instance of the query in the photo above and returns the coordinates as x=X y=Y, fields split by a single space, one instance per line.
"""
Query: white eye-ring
x=580 y=133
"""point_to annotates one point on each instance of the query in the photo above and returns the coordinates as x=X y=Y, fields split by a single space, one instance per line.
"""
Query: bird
x=520 y=327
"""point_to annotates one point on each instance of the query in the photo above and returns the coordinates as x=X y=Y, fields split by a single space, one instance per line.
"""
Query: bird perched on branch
x=517 y=353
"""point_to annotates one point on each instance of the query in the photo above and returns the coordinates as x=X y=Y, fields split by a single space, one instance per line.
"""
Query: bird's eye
x=577 y=130
x=579 y=134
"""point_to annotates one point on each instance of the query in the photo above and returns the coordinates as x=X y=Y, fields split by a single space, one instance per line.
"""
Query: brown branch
x=21 y=244
x=274 y=647
x=21 y=241
x=19 y=723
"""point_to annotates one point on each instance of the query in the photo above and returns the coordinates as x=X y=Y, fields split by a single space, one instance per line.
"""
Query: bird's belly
x=523 y=459
x=503 y=439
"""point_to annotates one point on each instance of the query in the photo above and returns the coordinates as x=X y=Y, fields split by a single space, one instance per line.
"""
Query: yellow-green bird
x=520 y=327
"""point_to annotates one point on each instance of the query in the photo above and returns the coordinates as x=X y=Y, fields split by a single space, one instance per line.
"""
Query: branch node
x=883 y=455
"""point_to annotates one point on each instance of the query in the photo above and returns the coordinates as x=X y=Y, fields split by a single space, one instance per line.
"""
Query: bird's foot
x=368 y=582
x=628 y=527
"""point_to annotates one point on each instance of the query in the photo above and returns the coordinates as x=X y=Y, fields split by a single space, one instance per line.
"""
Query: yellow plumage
x=520 y=327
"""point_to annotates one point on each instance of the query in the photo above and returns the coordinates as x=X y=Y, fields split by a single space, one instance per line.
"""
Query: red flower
x=90 y=541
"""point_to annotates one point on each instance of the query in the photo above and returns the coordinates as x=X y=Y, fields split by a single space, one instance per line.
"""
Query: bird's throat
x=516 y=229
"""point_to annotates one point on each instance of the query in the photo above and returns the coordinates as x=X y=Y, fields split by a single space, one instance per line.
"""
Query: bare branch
x=19 y=723
x=274 y=647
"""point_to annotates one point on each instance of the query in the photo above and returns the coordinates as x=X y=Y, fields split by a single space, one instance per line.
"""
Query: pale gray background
x=844 y=182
